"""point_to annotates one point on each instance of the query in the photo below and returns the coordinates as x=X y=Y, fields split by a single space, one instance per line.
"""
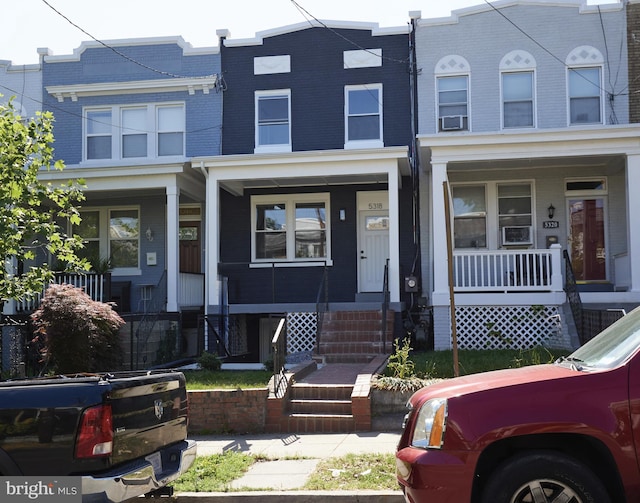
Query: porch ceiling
x=303 y=181
x=609 y=164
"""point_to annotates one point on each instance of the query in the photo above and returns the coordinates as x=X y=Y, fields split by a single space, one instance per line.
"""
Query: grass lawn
x=351 y=472
x=226 y=379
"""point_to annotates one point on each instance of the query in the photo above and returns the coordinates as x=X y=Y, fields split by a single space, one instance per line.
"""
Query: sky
x=31 y=24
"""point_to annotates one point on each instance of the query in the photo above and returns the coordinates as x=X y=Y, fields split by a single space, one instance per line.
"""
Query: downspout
x=414 y=159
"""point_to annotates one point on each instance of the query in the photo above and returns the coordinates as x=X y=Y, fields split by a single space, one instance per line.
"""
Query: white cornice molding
x=190 y=85
x=581 y=5
x=187 y=48
x=313 y=23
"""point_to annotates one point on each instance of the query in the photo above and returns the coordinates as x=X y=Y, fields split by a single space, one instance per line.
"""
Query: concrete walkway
x=280 y=480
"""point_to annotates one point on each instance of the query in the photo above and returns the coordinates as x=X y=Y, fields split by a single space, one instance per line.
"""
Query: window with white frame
x=585 y=95
x=137 y=131
x=482 y=212
x=290 y=227
x=273 y=121
x=469 y=216
x=515 y=210
x=112 y=234
x=453 y=103
x=517 y=99
x=363 y=116
x=99 y=133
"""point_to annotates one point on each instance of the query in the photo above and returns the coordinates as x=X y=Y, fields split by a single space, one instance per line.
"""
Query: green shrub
x=209 y=361
x=77 y=333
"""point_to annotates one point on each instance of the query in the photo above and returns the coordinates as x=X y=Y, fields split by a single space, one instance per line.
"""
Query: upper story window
x=143 y=131
x=585 y=96
x=453 y=103
x=273 y=121
x=584 y=84
x=291 y=227
x=518 y=89
x=363 y=116
x=452 y=93
x=517 y=99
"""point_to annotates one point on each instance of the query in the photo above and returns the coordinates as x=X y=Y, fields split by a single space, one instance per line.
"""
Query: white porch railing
x=191 y=290
x=508 y=270
x=93 y=284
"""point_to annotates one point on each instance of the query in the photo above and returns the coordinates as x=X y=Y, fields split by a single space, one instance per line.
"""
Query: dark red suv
x=564 y=432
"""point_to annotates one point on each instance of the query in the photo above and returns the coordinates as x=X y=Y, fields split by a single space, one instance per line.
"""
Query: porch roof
x=603 y=145
x=236 y=173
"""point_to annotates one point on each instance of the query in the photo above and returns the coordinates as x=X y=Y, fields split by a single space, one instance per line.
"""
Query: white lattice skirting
x=508 y=327
x=301 y=332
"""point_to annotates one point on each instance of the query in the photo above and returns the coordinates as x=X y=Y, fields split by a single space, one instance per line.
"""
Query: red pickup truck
x=563 y=432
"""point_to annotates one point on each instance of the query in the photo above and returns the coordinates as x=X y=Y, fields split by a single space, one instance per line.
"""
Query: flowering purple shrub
x=77 y=333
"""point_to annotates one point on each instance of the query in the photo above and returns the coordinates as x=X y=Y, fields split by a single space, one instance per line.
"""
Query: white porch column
x=439 y=234
x=212 y=251
x=633 y=219
x=394 y=237
x=173 y=248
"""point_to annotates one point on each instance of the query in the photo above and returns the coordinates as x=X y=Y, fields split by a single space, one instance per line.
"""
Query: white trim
x=278 y=147
x=532 y=72
x=117 y=131
x=600 y=85
x=362 y=58
x=190 y=85
x=369 y=142
x=315 y=23
x=439 y=76
x=582 y=6
x=268 y=65
x=187 y=48
x=290 y=201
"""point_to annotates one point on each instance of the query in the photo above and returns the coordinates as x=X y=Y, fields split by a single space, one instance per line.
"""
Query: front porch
x=571 y=190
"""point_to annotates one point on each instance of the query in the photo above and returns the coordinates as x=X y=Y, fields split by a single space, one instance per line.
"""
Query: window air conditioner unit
x=451 y=122
x=517 y=235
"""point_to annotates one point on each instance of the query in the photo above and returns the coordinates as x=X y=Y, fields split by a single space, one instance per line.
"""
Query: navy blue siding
x=317 y=81
x=291 y=284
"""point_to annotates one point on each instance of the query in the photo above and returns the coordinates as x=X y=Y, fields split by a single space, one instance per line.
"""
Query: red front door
x=587 y=239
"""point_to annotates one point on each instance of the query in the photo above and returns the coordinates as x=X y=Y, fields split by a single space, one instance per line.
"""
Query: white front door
x=373 y=227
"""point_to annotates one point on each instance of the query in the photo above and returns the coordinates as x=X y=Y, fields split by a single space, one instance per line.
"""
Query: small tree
x=77 y=334
x=33 y=213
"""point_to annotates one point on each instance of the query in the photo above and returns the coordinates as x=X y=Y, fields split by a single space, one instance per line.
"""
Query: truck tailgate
x=149 y=412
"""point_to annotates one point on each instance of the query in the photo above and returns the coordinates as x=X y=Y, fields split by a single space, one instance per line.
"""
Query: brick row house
x=304 y=174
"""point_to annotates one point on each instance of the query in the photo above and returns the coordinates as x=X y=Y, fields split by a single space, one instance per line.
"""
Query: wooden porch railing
x=508 y=270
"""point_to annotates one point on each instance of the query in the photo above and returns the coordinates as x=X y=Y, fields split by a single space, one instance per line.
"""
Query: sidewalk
x=279 y=480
